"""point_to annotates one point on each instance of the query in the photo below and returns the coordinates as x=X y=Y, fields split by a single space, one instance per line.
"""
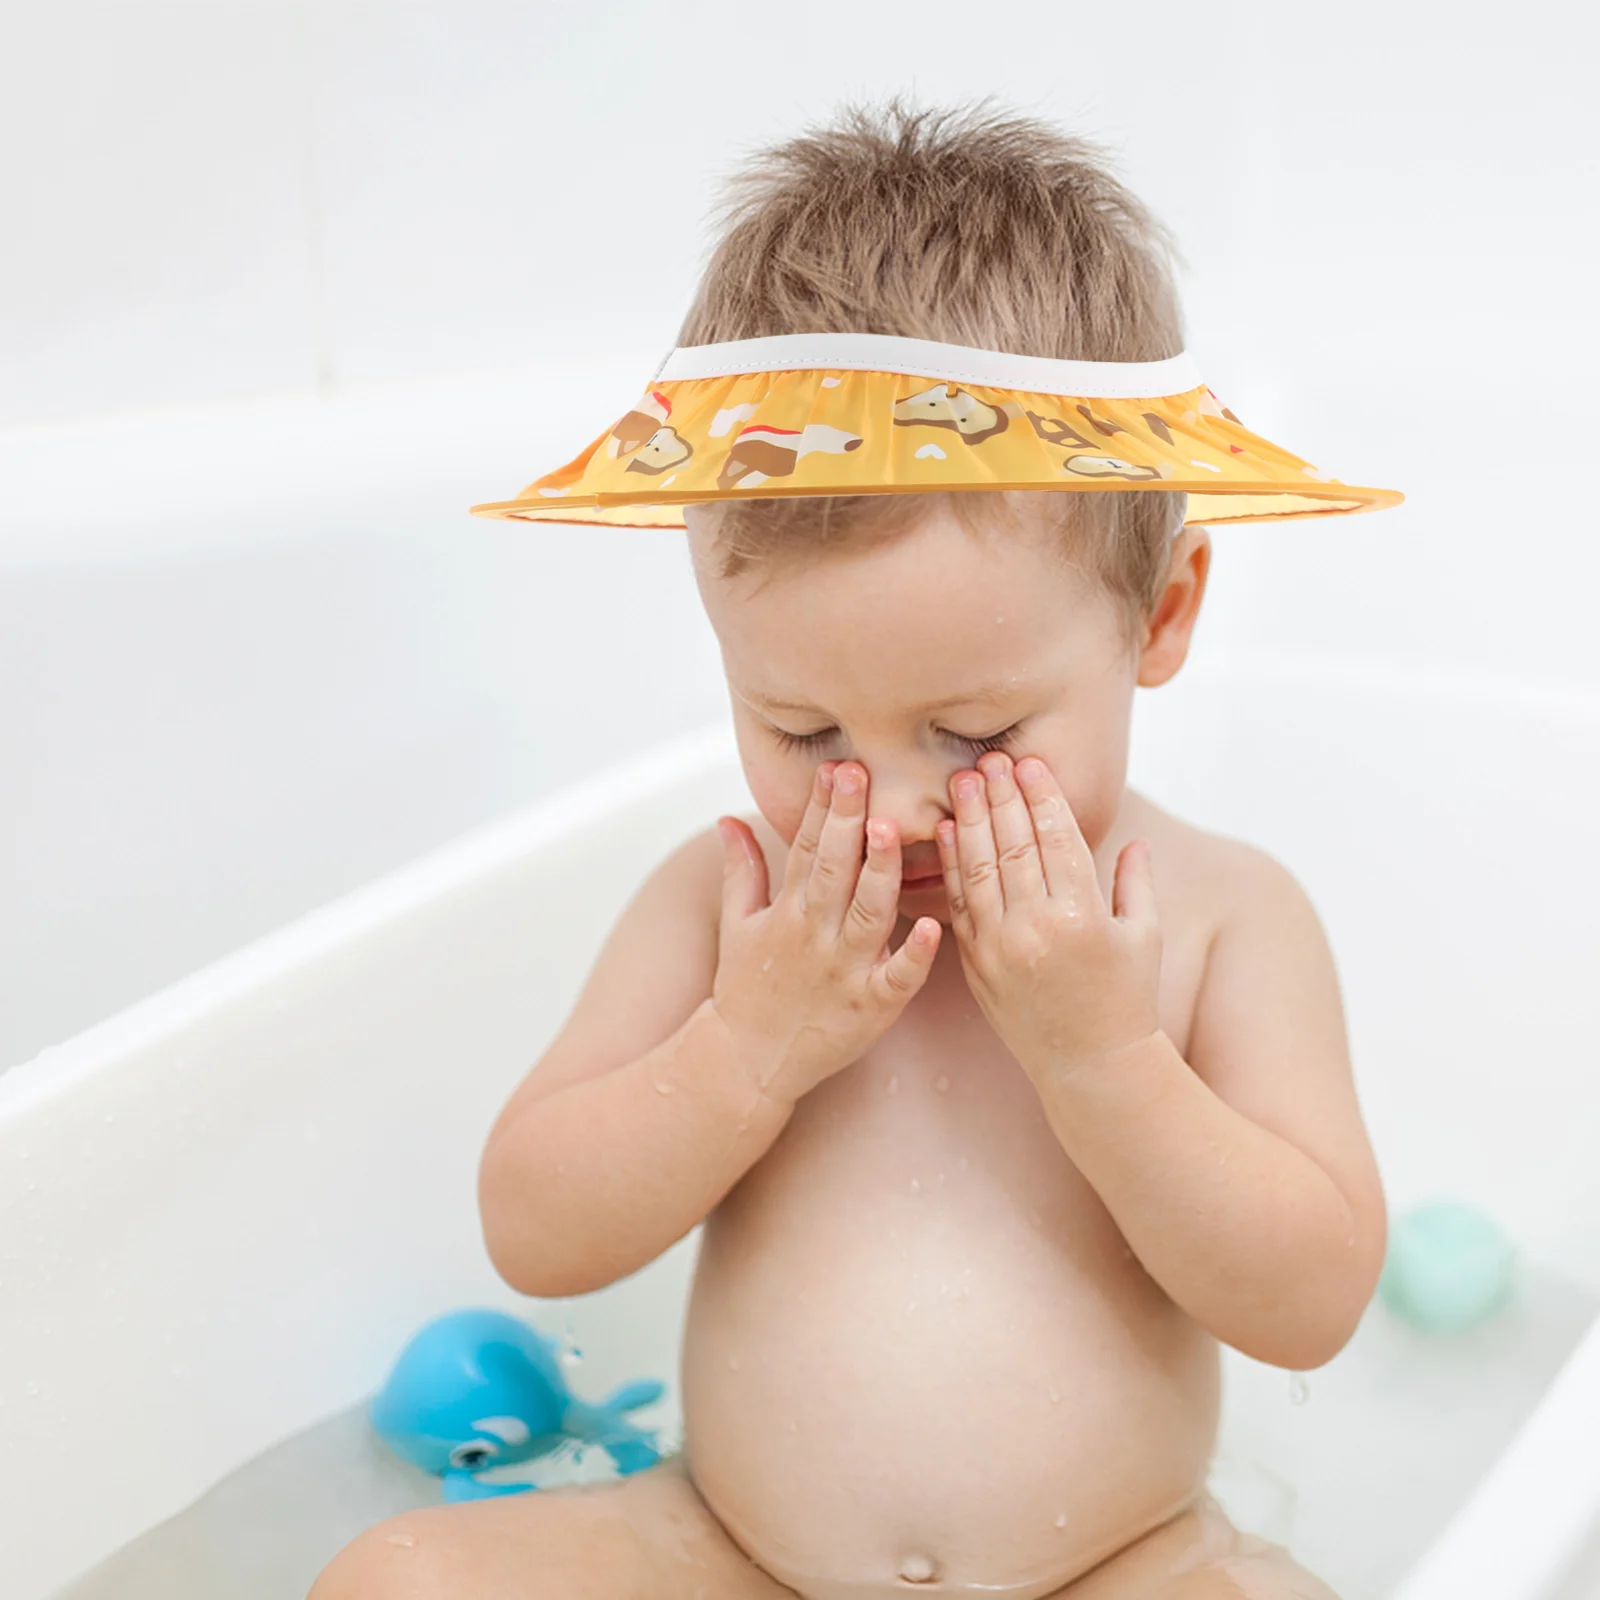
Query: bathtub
x=223 y=1210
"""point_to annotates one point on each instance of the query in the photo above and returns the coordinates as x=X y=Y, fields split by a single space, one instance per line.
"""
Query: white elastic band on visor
x=927 y=358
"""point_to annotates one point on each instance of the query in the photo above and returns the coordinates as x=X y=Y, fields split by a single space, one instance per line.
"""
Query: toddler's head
x=912 y=632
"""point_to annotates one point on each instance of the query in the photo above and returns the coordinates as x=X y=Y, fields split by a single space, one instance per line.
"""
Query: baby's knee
x=395 y=1560
x=554 y=1546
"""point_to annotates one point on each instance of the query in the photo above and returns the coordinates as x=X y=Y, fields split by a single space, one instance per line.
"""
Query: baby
x=1004 y=1094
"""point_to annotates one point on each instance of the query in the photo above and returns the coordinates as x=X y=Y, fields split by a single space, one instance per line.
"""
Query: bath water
x=1357 y=1468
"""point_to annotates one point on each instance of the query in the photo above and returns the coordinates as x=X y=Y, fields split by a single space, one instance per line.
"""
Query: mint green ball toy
x=1448 y=1267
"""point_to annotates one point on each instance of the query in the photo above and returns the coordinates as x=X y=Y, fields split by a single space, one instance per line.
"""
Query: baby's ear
x=1170 y=626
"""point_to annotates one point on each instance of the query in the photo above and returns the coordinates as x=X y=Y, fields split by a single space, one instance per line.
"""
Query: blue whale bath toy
x=480 y=1389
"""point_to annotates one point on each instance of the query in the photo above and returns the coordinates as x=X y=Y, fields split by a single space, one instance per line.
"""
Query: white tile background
x=286 y=284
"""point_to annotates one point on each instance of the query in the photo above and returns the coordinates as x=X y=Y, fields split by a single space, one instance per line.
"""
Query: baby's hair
x=966 y=225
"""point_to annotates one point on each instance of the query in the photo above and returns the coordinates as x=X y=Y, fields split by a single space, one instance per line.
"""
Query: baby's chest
x=941 y=1083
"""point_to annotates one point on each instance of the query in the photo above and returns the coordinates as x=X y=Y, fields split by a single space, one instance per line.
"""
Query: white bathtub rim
x=311 y=938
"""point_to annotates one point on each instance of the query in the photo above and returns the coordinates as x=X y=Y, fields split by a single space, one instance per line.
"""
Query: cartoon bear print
x=663 y=450
x=1109 y=467
x=947 y=406
x=760 y=452
x=639 y=425
x=1056 y=430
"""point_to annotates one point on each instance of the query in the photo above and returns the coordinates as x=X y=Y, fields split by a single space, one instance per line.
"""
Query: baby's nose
x=912 y=803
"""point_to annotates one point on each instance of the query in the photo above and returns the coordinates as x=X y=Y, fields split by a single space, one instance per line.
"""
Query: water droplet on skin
x=1061 y=1519
x=1299 y=1389
x=733 y=1363
x=942 y=1084
x=1055 y=1397
x=766 y=966
x=663 y=1088
x=916 y=1186
x=894 y=1085
x=917 y=1568
x=405 y=1540
x=794 y=1427
x=962 y=1163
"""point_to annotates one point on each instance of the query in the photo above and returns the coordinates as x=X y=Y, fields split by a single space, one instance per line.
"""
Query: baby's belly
x=919 y=1349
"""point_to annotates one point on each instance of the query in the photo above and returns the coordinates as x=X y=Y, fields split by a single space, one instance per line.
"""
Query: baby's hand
x=1062 y=981
x=807 y=983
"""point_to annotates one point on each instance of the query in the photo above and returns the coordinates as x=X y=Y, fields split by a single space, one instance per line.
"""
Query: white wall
x=285 y=284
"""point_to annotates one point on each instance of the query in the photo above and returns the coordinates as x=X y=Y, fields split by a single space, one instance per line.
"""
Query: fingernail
x=1029 y=769
x=966 y=788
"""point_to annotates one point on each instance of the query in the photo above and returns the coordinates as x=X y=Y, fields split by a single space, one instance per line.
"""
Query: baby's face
x=912 y=655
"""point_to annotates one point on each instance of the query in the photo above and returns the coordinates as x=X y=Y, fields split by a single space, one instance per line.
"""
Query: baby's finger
x=954 y=889
x=1133 y=889
x=869 y=918
x=839 y=851
x=1068 y=862
x=975 y=851
x=744 y=870
x=1017 y=850
x=905 y=972
x=803 y=852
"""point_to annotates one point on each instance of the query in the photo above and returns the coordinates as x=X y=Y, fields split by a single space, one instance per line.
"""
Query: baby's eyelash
x=804 y=741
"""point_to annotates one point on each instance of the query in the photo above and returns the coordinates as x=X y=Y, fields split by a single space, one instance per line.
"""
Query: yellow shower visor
x=868 y=413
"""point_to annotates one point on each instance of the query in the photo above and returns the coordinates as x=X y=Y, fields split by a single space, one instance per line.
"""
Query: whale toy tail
x=633 y=1396
x=631 y=1447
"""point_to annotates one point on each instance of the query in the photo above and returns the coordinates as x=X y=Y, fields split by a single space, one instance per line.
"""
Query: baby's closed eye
x=993 y=741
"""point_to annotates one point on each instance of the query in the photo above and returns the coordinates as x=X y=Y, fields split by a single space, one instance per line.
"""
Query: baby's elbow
x=507 y=1227
x=1307 y=1335
x=1303 y=1349
x=526 y=1264
x=525 y=1248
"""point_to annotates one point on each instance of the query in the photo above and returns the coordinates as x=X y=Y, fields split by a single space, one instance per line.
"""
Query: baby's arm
x=639 y=1117
x=1242 y=1177
x=621 y=1140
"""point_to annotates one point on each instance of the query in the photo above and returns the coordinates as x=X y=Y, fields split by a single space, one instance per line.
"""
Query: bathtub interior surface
x=1357 y=1472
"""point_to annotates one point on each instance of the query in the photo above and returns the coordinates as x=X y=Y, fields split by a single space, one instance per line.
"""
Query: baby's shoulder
x=1205 y=877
